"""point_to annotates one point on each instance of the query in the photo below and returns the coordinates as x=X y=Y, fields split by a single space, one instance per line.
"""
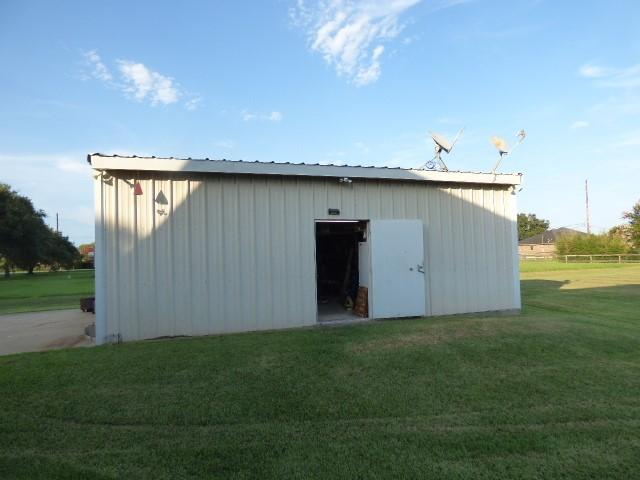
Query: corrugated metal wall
x=237 y=253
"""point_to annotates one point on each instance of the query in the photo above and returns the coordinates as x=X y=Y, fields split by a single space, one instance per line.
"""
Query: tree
x=32 y=234
x=6 y=234
x=22 y=230
x=25 y=239
x=622 y=232
x=21 y=226
x=59 y=251
x=529 y=225
x=634 y=224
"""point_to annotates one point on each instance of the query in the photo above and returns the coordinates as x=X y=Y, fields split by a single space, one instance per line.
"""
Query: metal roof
x=101 y=161
x=549 y=237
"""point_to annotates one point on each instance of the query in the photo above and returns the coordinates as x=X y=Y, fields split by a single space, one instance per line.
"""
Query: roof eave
x=103 y=162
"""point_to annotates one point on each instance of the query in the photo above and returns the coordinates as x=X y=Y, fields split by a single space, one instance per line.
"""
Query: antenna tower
x=586 y=203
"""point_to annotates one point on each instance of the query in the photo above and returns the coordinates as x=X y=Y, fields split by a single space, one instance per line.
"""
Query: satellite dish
x=442 y=145
x=441 y=141
x=503 y=146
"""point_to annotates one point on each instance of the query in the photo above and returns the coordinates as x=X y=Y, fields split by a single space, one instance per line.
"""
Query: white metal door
x=397 y=269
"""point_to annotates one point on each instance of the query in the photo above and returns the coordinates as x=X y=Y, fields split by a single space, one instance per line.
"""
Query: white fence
x=601 y=258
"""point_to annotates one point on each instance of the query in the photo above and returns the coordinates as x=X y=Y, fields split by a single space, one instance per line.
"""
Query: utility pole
x=57 y=229
x=586 y=198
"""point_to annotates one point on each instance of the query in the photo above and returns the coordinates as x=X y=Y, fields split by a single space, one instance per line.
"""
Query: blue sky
x=329 y=81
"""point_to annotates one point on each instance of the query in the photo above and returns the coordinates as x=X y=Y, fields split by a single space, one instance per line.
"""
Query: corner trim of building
x=99 y=265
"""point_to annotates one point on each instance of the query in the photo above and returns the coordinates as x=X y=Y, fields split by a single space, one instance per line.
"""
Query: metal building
x=197 y=247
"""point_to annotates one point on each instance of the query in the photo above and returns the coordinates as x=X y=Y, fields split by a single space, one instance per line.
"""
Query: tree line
x=26 y=241
x=623 y=238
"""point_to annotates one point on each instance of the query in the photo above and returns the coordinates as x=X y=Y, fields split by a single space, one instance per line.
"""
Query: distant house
x=87 y=253
x=544 y=244
x=87 y=250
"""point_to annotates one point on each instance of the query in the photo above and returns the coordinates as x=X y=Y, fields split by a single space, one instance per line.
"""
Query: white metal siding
x=237 y=252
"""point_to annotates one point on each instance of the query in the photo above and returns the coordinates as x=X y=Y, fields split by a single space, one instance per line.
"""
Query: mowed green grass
x=44 y=291
x=551 y=393
x=528 y=266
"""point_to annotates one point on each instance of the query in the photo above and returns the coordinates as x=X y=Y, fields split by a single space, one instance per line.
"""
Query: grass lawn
x=552 y=393
x=528 y=266
x=44 y=291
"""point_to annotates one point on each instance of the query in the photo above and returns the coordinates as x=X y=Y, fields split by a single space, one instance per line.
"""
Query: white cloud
x=193 y=103
x=579 y=124
x=628 y=77
x=442 y=4
x=274 y=116
x=349 y=34
x=145 y=84
x=98 y=69
x=409 y=40
x=139 y=82
x=372 y=72
x=592 y=71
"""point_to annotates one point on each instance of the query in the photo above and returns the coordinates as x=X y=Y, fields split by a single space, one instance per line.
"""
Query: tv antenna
x=503 y=146
x=442 y=145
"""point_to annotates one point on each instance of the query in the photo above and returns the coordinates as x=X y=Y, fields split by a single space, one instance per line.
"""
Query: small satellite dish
x=503 y=146
x=442 y=145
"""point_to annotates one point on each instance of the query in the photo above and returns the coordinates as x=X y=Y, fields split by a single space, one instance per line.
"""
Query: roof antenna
x=503 y=147
x=442 y=145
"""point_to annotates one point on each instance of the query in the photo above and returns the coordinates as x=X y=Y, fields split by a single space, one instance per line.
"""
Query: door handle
x=420 y=268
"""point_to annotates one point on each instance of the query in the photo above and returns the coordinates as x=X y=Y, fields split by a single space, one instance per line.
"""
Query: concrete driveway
x=38 y=331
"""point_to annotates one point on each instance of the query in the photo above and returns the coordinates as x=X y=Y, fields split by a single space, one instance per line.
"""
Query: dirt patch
x=67 y=342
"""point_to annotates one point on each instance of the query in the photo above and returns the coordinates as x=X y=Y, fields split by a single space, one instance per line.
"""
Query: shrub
x=591 y=245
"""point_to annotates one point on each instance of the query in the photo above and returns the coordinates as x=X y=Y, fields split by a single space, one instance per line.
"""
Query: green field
x=551 y=265
x=551 y=393
x=44 y=291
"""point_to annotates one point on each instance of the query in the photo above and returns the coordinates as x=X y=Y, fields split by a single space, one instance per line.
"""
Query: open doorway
x=339 y=248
